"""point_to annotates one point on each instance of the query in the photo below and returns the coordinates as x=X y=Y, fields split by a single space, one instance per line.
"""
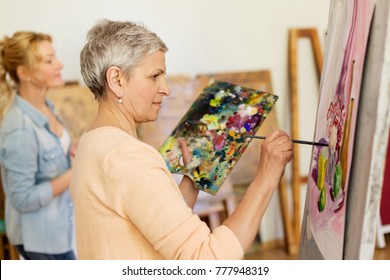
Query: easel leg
x=380 y=237
x=297 y=178
x=290 y=239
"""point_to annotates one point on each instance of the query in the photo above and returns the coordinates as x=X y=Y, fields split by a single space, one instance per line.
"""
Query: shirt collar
x=31 y=111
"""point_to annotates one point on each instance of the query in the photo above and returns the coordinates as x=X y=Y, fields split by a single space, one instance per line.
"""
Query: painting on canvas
x=336 y=117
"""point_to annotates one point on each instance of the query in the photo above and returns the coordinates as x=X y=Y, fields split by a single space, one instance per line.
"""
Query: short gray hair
x=114 y=43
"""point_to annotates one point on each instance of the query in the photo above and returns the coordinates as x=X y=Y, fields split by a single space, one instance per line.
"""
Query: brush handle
x=294 y=141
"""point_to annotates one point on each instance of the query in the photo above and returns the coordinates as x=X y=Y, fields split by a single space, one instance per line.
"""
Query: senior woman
x=127 y=203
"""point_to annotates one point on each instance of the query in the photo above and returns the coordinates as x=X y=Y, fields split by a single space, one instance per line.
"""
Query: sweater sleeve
x=147 y=195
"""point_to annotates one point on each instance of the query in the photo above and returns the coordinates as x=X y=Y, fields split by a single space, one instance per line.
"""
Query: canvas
x=77 y=107
x=371 y=142
x=347 y=36
x=215 y=127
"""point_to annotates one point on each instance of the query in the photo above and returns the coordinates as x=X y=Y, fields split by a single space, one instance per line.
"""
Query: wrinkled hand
x=187 y=154
x=276 y=152
x=186 y=186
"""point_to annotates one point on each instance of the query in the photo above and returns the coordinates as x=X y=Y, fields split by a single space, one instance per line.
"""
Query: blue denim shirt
x=30 y=157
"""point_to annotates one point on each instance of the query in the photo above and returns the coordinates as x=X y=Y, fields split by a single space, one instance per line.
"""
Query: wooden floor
x=256 y=252
x=279 y=253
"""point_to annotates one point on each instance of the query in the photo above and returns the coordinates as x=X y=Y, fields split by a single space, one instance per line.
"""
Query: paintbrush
x=294 y=141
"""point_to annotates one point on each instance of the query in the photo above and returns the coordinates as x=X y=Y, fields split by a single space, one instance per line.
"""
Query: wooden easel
x=297 y=178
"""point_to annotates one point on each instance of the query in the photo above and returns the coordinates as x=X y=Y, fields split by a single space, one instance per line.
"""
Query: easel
x=297 y=178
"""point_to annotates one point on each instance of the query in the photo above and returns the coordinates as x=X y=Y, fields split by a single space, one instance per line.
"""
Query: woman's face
x=47 y=72
x=145 y=88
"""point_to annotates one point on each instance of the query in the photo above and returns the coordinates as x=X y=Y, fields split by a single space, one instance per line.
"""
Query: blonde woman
x=34 y=150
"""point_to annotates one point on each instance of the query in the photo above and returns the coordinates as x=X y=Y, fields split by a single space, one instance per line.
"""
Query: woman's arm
x=276 y=152
x=61 y=183
x=189 y=192
x=186 y=186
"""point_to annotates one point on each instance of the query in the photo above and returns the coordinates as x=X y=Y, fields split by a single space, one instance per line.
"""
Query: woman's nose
x=59 y=64
x=164 y=89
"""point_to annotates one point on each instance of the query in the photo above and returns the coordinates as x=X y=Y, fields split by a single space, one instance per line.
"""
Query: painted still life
x=215 y=129
x=339 y=97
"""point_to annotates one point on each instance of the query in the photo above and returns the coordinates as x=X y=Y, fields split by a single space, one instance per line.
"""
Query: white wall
x=203 y=36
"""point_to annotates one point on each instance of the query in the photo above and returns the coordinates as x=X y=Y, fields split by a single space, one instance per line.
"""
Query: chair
x=214 y=209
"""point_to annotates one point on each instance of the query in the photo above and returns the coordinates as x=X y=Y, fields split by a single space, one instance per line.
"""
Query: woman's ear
x=23 y=74
x=114 y=80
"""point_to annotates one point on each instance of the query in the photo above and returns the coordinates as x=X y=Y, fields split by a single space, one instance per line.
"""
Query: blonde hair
x=19 y=50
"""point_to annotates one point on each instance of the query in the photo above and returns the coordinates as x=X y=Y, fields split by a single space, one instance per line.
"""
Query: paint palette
x=215 y=129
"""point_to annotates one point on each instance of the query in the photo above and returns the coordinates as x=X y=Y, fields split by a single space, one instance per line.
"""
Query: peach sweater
x=128 y=205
